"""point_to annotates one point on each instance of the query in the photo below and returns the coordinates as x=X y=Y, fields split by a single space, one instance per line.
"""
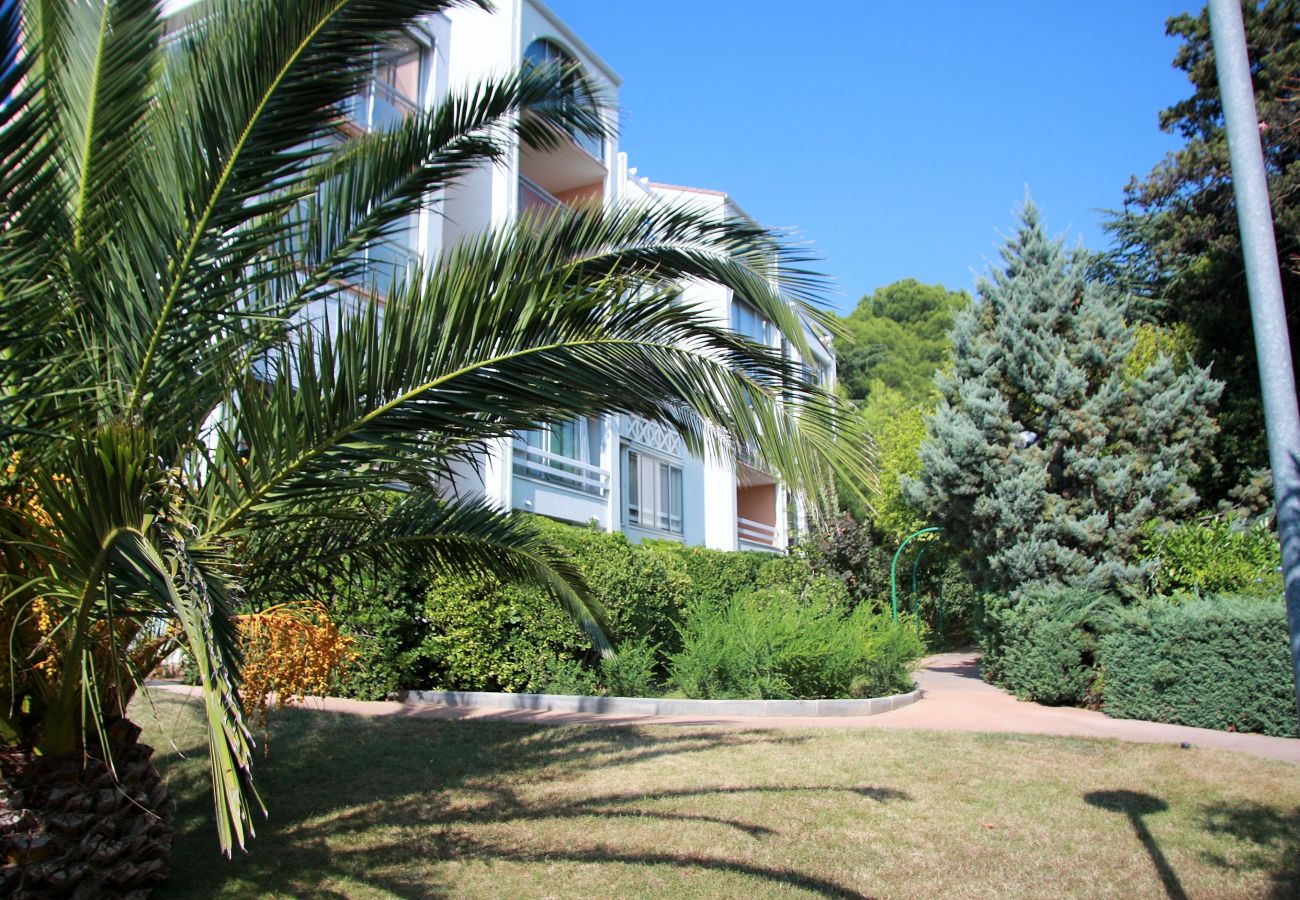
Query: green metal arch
x=893 y=566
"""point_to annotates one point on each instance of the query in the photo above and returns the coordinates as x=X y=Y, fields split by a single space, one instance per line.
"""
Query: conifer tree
x=1047 y=453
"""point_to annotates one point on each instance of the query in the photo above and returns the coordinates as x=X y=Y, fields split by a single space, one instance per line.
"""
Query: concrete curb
x=650 y=706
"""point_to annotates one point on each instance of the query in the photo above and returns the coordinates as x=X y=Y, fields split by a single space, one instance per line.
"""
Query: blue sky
x=898 y=138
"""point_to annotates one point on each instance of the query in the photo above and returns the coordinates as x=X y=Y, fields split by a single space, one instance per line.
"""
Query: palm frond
x=543 y=334
x=376 y=181
x=421 y=531
x=250 y=90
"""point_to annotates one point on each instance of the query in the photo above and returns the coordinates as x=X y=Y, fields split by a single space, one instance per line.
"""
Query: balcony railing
x=379 y=106
x=541 y=465
x=752 y=532
x=533 y=198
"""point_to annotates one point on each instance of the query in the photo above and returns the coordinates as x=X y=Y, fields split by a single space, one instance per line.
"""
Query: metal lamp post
x=1264 y=281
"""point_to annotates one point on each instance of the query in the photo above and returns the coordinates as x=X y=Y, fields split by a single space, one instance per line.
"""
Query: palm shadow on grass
x=360 y=804
x=1271 y=839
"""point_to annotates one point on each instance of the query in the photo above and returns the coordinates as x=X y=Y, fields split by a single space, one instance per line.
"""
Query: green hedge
x=715 y=576
x=480 y=634
x=1042 y=644
x=1220 y=662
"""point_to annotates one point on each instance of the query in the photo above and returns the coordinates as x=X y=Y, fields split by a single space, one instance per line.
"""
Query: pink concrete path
x=955 y=698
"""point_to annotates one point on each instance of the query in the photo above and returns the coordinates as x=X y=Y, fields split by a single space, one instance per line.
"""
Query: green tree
x=896 y=424
x=171 y=212
x=1178 y=246
x=898 y=335
x=1045 y=457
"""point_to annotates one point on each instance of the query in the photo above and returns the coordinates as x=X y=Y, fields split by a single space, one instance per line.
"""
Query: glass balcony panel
x=533 y=199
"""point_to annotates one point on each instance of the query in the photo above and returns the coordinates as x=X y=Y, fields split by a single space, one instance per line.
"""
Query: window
x=750 y=322
x=653 y=492
x=560 y=438
x=548 y=53
x=558 y=454
x=396 y=90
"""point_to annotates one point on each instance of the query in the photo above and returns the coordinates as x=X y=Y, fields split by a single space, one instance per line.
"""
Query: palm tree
x=171 y=209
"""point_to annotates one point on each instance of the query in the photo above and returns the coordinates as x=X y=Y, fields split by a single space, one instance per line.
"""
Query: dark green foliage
x=483 y=634
x=633 y=672
x=643 y=589
x=716 y=576
x=940 y=579
x=898 y=336
x=810 y=585
x=1041 y=645
x=768 y=644
x=383 y=611
x=1177 y=235
x=1219 y=556
x=849 y=550
x=487 y=636
x=1217 y=662
x=1045 y=458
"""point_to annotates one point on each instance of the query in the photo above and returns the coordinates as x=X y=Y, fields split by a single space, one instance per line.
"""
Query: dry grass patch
x=415 y=807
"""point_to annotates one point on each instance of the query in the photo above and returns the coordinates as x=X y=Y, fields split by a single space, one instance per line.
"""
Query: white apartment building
x=622 y=472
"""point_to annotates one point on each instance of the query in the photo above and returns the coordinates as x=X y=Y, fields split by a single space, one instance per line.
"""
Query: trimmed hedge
x=1042 y=644
x=1218 y=662
x=715 y=575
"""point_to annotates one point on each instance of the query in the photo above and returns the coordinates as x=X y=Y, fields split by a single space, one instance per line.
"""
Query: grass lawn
x=408 y=807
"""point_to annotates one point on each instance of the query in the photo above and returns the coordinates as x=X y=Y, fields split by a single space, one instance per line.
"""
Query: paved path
x=955 y=699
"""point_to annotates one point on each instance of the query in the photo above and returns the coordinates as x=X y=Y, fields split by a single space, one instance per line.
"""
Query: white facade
x=621 y=472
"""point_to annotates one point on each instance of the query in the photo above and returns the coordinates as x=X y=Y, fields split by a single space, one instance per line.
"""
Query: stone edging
x=650 y=706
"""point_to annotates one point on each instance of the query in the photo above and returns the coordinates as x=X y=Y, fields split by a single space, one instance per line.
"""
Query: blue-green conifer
x=1046 y=453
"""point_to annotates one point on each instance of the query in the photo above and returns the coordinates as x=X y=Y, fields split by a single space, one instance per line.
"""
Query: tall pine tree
x=1178 y=247
x=1047 y=453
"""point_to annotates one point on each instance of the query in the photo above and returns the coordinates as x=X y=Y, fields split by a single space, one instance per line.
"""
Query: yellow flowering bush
x=291 y=651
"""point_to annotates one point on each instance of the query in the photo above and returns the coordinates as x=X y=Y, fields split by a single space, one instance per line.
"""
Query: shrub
x=850 y=551
x=716 y=575
x=1042 y=645
x=797 y=575
x=1209 y=662
x=768 y=644
x=382 y=610
x=1221 y=556
x=632 y=672
x=489 y=636
x=943 y=579
x=643 y=588
x=560 y=675
x=484 y=635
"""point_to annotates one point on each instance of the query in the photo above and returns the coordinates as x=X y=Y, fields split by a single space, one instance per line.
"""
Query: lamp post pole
x=1264 y=282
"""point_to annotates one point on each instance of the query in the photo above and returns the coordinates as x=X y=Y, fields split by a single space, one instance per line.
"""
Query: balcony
x=565 y=173
x=379 y=107
x=551 y=468
x=756 y=509
x=751 y=531
x=535 y=200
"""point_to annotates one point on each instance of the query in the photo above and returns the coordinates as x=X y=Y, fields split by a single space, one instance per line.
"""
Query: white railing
x=754 y=532
x=541 y=465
